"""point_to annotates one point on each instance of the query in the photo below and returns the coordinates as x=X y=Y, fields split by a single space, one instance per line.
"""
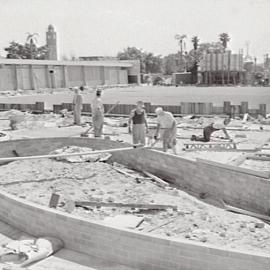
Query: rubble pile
x=80 y=158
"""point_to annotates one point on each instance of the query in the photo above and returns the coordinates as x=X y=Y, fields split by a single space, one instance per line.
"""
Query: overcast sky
x=103 y=27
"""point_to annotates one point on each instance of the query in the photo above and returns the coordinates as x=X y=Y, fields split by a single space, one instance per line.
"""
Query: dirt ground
x=194 y=219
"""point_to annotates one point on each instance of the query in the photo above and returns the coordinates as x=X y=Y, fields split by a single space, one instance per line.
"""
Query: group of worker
x=166 y=129
x=97 y=110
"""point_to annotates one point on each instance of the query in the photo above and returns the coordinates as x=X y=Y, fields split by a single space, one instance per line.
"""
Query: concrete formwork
x=139 y=250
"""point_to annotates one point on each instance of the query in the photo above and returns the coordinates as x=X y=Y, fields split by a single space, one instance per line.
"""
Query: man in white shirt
x=208 y=130
x=167 y=123
x=97 y=109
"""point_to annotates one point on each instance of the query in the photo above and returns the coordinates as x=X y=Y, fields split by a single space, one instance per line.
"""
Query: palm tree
x=32 y=39
x=224 y=38
x=180 y=39
x=195 y=40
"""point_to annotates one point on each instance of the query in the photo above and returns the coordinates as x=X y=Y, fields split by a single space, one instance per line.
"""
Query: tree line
x=180 y=61
x=175 y=62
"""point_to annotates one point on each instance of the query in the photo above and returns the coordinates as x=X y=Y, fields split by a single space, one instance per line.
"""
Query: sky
x=105 y=27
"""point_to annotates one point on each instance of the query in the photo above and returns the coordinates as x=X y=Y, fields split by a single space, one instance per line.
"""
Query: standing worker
x=208 y=130
x=97 y=114
x=77 y=106
x=139 y=124
x=167 y=123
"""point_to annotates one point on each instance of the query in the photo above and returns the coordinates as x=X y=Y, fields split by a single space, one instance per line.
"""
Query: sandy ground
x=154 y=94
x=194 y=220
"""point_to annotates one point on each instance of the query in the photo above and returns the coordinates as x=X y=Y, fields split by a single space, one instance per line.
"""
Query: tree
x=180 y=39
x=16 y=50
x=32 y=39
x=170 y=64
x=195 y=40
x=224 y=38
x=149 y=62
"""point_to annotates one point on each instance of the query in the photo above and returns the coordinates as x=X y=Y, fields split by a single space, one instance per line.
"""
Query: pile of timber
x=209 y=145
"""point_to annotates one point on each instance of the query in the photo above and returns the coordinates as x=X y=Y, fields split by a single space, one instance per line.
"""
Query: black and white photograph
x=135 y=134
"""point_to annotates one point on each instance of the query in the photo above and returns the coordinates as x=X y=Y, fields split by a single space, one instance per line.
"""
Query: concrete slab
x=70 y=260
x=63 y=260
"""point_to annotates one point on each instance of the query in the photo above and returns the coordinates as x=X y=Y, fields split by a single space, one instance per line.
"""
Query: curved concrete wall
x=138 y=250
x=237 y=188
x=142 y=251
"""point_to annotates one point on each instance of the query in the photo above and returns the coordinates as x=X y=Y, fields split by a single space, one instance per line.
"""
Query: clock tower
x=51 y=43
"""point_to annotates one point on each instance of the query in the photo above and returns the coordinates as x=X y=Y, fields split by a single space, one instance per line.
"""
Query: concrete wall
x=238 y=187
x=142 y=251
x=35 y=74
x=138 y=250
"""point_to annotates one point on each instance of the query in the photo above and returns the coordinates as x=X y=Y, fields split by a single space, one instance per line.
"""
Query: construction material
x=246 y=212
x=261 y=174
x=128 y=205
x=161 y=225
x=67 y=155
x=54 y=200
x=127 y=174
x=211 y=145
x=156 y=179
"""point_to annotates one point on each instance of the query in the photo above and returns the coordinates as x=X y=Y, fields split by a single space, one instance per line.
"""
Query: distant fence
x=184 y=108
x=37 y=107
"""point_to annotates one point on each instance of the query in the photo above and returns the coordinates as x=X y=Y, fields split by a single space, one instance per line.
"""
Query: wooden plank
x=54 y=200
x=127 y=174
x=127 y=205
x=246 y=212
x=70 y=154
x=265 y=175
x=156 y=179
x=209 y=145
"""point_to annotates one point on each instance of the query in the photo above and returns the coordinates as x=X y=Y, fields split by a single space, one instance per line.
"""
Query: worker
x=77 y=106
x=137 y=120
x=97 y=114
x=167 y=124
x=213 y=127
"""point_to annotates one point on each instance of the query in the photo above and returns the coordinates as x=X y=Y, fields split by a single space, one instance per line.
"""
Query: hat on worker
x=158 y=110
x=140 y=103
x=98 y=92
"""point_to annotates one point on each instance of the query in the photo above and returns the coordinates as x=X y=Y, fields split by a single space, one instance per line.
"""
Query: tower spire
x=51 y=41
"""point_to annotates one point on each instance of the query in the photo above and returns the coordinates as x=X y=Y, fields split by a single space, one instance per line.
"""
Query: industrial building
x=221 y=68
x=35 y=74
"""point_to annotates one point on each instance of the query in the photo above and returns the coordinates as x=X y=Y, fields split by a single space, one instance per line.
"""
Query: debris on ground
x=80 y=158
x=100 y=182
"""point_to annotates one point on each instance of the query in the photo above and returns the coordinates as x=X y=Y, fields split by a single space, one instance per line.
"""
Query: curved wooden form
x=139 y=250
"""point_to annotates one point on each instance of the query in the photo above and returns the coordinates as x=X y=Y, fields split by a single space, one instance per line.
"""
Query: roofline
x=108 y=63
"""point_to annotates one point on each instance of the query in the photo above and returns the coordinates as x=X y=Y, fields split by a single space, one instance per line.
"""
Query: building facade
x=39 y=74
x=221 y=68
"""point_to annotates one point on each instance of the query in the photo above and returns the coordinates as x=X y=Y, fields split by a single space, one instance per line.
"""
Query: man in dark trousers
x=208 y=130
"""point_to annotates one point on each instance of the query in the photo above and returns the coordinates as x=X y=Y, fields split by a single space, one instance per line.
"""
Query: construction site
x=112 y=206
